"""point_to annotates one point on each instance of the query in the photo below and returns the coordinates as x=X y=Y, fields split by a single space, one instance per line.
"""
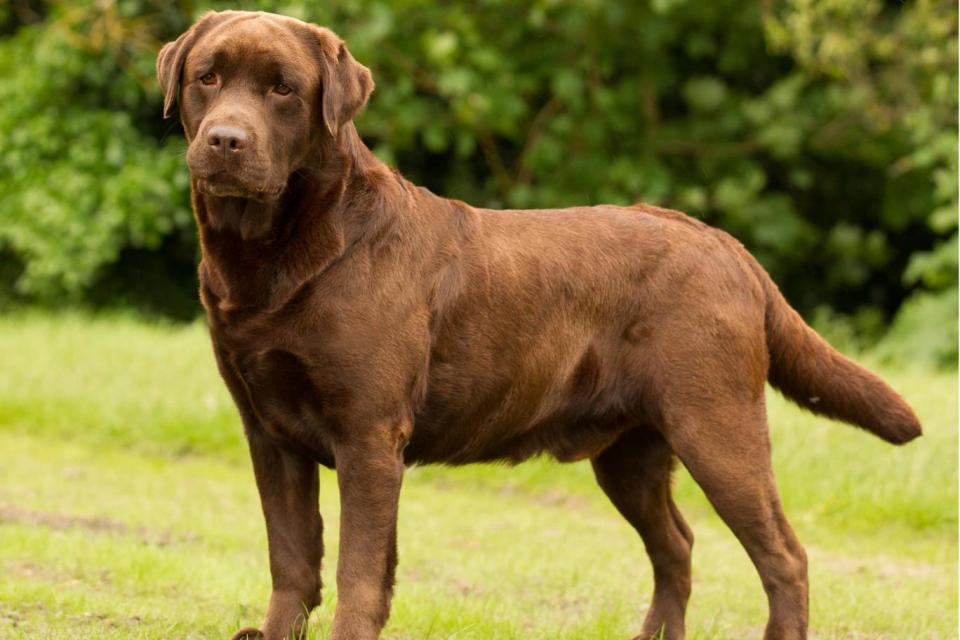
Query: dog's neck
x=260 y=253
x=249 y=218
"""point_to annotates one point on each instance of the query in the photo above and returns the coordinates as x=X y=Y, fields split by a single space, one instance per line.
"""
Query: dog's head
x=258 y=93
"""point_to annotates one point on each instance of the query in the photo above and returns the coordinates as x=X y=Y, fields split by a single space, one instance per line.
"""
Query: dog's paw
x=248 y=634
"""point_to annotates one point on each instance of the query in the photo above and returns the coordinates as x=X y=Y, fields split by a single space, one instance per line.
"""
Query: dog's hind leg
x=634 y=472
x=725 y=446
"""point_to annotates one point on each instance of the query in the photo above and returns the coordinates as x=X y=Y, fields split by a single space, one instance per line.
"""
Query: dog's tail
x=806 y=369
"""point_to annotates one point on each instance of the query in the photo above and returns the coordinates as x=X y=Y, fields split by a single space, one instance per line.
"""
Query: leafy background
x=822 y=133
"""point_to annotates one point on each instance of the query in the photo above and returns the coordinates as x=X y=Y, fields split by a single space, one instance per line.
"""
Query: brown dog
x=364 y=323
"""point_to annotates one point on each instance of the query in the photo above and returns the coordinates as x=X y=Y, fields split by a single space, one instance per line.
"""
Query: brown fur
x=364 y=323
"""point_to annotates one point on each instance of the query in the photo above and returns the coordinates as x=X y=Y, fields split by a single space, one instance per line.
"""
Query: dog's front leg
x=369 y=472
x=289 y=493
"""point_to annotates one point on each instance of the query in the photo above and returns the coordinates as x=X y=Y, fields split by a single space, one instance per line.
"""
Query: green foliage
x=924 y=332
x=894 y=92
x=80 y=179
x=821 y=133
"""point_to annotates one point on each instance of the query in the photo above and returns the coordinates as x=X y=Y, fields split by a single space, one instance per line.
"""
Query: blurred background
x=822 y=134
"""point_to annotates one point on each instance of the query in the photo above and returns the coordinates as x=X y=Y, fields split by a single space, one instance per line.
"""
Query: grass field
x=128 y=510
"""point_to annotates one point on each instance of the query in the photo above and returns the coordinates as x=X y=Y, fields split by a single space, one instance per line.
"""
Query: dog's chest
x=291 y=400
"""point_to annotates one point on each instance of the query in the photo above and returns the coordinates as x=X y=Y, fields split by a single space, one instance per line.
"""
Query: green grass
x=128 y=510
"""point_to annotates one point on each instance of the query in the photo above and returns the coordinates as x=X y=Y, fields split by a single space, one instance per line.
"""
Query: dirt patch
x=96 y=524
x=33 y=621
x=879 y=565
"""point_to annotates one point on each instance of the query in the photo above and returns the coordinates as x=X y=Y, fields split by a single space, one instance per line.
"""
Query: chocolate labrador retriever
x=364 y=323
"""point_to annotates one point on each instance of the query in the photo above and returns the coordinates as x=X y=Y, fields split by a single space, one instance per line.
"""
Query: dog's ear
x=346 y=84
x=173 y=54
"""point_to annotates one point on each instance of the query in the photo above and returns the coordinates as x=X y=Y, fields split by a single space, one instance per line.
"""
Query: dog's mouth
x=223 y=186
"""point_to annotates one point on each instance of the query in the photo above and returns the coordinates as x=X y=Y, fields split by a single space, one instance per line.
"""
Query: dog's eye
x=208 y=79
x=282 y=89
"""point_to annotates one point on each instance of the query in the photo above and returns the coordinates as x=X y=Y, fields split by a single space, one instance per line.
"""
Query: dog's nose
x=224 y=136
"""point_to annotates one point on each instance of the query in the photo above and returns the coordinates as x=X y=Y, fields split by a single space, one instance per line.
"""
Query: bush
x=81 y=179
